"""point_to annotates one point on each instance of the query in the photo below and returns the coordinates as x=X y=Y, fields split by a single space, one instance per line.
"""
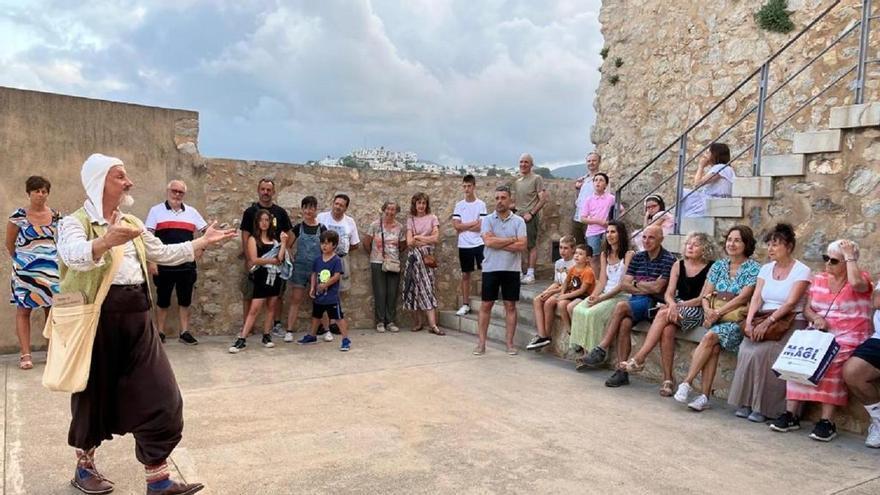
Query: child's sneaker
x=307 y=339
x=267 y=341
x=288 y=337
x=346 y=344
x=238 y=345
x=328 y=337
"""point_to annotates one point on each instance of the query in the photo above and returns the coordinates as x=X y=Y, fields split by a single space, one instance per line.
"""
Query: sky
x=456 y=81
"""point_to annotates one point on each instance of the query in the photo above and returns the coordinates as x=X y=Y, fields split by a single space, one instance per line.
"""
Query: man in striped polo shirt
x=174 y=222
x=646 y=278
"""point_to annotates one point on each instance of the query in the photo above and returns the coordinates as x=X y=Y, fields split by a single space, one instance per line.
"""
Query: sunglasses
x=830 y=260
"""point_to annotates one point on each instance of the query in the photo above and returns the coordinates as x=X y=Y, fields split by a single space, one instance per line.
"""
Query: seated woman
x=725 y=294
x=655 y=214
x=862 y=375
x=683 y=308
x=775 y=309
x=716 y=182
x=591 y=315
x=838 y=302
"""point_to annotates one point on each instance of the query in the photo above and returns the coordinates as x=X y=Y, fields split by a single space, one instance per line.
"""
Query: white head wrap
x=94 y=174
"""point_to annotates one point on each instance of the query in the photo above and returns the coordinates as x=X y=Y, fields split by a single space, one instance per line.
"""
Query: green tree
x=543 y=172
x=349 y=161
x=774 y=16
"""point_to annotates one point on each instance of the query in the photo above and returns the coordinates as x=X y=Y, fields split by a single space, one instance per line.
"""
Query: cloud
x=465 y=82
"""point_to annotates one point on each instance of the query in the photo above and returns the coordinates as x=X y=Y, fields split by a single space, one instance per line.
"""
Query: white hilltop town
x=404 y=161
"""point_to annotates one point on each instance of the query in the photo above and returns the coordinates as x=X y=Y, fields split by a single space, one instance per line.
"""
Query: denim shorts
x=639 y=306
x=595 y=243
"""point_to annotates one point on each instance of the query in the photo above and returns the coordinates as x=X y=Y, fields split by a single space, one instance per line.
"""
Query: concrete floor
x=415 y=413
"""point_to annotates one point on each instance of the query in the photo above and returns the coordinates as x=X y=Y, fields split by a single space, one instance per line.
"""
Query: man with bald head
x=173 y=222
x=529 y=196
x=646 y=278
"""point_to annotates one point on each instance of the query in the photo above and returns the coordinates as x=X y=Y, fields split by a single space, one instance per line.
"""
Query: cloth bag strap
x=116 y=255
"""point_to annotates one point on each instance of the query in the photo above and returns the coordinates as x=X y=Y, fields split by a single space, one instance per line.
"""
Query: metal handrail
x=764 y=95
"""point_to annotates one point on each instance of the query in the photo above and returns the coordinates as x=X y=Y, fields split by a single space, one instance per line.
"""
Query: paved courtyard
x=415 y=413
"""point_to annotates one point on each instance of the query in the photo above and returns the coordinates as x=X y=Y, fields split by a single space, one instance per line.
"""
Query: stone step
x=674 y=242
x=698 y=224
x=524 y=310
x=787 y=165
x=724 y=207
x=816 y=141
x=852 y=116
x=753 y=187
x=497 y=331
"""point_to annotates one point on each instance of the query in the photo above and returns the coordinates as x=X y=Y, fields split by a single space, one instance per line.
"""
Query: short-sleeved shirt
x=346 y=228
x=499 y=260
x=643 y=268
x=585 y=192
x=467 y=212
x=422 y=225
x=746 y=275
x=393 y=237
x=525 y=191
x=174 y=227
x=775 y=292
x=723 y=187
x=281 y=222
x=597 y=207
x=325 y=270
x=578 y=277
x=560 y=270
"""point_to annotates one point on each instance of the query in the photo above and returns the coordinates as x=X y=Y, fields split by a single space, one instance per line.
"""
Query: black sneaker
x=824 y=431
x=334 y=329
x=595 y=358
x=618 y=379
x=538 y=342
x=187 y=338
x=238 y=345
x=321 y=329
x=162 y=337
x=267 y=341
x=786 y=422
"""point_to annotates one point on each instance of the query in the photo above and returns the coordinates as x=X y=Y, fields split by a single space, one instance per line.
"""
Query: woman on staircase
x=713 y=179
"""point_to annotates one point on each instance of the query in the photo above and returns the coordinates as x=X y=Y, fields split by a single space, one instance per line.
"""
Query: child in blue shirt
x=326 y=272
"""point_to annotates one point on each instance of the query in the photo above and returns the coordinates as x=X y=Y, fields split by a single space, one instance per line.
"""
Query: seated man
x=646 y=279
x=862 y=375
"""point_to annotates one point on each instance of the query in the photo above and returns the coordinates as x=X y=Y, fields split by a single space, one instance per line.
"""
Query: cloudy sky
x=456 y=81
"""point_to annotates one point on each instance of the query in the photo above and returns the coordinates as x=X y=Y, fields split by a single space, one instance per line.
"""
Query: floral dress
x=35 y=263
x=730 y=334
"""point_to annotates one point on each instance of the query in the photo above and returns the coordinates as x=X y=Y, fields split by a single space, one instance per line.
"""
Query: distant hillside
x=569 y=171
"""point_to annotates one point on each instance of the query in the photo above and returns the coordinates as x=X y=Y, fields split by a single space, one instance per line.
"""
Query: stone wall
x=697 y=52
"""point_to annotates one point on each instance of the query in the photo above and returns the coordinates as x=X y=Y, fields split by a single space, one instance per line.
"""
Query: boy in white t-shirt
x=466 y=220
x=545 y=303
x=862 y=375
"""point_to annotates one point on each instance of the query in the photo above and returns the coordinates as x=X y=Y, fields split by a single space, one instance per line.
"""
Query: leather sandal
x=437 y=331
x=666 y=388
x=25 y=362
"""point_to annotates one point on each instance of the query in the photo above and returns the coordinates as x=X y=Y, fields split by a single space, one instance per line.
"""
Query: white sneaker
x=277 y=330
x=528 y=279
x=380 y=327
x=328 y=337
x=391 y=327
x=873 y=438
x=288 y=336
x=700 y=403
x=463 y=310
x=684 y=390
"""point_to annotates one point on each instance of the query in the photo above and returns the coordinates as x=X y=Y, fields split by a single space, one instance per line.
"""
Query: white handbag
x=71 y=332
x=806 y=357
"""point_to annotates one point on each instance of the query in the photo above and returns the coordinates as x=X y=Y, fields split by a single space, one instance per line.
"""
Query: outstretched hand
x=214 y=235
x=117 y=233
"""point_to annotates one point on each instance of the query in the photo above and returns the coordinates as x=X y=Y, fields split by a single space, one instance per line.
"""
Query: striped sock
x=158 y=477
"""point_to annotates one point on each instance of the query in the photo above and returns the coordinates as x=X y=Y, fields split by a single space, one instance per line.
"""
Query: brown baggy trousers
x=131 y=386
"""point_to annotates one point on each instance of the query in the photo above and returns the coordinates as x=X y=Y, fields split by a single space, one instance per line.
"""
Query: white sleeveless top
x=614 y=273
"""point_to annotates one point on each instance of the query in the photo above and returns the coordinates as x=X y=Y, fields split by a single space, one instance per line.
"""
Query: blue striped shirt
x=643 y=268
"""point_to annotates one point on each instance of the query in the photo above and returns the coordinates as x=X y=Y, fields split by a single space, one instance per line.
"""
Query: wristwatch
x=635 y=283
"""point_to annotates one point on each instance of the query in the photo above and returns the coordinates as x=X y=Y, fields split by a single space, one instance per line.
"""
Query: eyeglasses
x=831 y=261
x=177 y=191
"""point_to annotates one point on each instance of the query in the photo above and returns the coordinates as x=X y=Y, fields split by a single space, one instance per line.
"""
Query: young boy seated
x=324 y=289
x=579 y=283
x=545 y=303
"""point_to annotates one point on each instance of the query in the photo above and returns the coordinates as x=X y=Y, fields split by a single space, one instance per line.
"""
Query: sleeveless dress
x=35 y=263
x=588 y=322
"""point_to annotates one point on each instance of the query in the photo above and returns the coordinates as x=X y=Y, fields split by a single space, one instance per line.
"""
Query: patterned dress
x=35 y=263
x=730 y=334
x=849 y=319
x=418 y=279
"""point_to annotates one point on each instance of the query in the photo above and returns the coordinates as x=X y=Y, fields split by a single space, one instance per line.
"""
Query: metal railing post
x=679 y=181
x=763 y=82
x=863 y=49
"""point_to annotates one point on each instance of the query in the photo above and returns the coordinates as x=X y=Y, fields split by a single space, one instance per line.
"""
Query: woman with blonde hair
x=683 y=309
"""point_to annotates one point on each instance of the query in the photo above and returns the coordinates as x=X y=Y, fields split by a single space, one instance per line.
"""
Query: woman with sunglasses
x=838 y=302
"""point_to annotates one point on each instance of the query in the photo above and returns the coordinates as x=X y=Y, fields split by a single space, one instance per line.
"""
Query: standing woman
x=30 y=242
x=776 y=305
x=589 y=317
x=422 y=234
x=385 y=240
x=264 y=257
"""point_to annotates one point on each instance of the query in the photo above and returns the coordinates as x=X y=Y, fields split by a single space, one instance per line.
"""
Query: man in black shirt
x=281 y=222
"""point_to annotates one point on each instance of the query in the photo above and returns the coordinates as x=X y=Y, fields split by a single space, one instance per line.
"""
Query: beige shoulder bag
x=71 y=333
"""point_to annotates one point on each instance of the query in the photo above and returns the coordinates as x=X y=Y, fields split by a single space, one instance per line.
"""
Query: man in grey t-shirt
x=504 y=236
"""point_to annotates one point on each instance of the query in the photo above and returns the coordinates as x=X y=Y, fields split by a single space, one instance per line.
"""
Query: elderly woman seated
x=838 y=302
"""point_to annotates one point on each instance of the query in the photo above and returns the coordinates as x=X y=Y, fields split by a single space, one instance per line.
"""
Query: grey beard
x=127 y=201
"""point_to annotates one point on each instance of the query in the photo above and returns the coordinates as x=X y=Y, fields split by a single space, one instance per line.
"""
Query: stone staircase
x=793 y=164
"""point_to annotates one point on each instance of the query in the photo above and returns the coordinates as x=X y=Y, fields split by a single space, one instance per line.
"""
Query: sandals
x=417 y=329
x=666 y=388
x=437 y=330
x=25 y=362
x=632 y=366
